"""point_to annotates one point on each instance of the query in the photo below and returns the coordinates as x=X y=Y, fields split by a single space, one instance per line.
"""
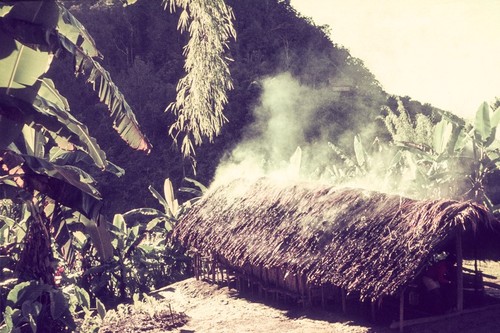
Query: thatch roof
x=364 y=241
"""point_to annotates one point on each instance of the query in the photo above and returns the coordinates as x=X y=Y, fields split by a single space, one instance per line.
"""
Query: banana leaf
x=5 y=9
x=482 y=123
x=124 y=121
x=64 y=157
x=99 y=233
x=47 y=115
x=20 y=66
x=70 y=186
x=46 y=27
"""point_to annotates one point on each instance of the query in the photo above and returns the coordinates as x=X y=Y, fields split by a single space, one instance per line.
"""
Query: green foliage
x=41 y=307
x=143 y=256
x=32 y=34
x=403 y=129
x=458 y=160
x=41 y=138
x=202 y=93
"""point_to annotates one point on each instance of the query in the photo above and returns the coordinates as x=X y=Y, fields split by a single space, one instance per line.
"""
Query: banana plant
x=463 y=154
x=31 y=34
x=142 y=254
x=40 y=137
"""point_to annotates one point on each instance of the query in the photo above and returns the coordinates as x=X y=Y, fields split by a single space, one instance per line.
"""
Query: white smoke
x=282 y=120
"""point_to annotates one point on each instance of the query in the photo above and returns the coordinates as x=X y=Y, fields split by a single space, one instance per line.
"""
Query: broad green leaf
x=168 y=225
x=124 y=121
x=101 y=309
x=61 y=156
x=99 y=235
x=153 y=223
x=51 y=102
x=80 y=237
x=68 y=185
x=482 y=123
x=442 y=135
x=58 y=304
x=359 y=151
x=7 y=220
x=160 y=199
x=202 y=187
x=42 y=13
x=495 y=118
x=56 y=120
x=34 y=141
x=5 y=9
x=168 y=190
x=119 y=222
x=9 y=322
x=69 y=27
x=49 y=93
x=134 y=232
x=26 y=291
x=83 y=297
x=22 y=66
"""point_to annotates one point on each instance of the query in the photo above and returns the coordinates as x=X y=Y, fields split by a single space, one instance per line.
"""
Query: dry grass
x=360 y=240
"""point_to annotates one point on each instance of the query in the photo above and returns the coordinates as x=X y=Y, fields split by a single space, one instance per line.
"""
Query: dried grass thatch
x=363 y=241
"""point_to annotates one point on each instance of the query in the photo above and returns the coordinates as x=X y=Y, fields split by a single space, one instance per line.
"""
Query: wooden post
x=214 y=268
x=195 y=266
x=304 y=290
x=373 y=310
x=401 y=310
x=460 y=280
x=344 y=300
x=323 y=302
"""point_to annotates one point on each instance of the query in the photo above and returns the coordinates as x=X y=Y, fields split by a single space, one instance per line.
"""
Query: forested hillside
x=65 y=259
x=143 y=51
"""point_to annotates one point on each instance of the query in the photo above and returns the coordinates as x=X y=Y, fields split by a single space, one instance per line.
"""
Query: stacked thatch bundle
x=362 y=241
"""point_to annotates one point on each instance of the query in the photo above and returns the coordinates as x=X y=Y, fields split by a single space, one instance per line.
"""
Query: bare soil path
x=209 y=308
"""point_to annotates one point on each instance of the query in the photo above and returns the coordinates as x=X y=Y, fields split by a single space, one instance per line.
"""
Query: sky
x=442 y=52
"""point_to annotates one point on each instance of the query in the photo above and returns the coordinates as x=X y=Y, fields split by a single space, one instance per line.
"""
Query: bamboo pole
x=323 y=302
x=344 y=300
x=213 y=269
x=373 y=310
x=401 y=311
x=460 y=280
x=195 y=266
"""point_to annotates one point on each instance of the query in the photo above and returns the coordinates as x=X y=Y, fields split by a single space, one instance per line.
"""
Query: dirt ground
x=208 y=308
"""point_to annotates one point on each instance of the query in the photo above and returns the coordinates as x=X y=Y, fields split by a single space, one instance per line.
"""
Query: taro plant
x=144 y=258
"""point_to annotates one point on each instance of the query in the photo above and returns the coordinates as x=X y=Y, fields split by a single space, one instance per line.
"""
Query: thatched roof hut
x=359 y=240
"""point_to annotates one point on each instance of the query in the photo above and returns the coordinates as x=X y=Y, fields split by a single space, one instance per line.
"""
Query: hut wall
x=274 y=282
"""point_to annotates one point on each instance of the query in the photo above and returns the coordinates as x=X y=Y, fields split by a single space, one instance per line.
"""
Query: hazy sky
x=444 y=52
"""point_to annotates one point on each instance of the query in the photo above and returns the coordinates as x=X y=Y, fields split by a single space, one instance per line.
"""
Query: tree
x=202 y=92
